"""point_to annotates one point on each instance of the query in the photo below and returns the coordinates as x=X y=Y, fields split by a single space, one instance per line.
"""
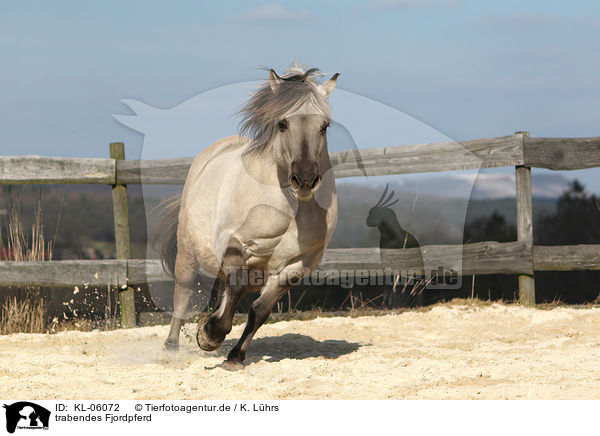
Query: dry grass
x=23 y=316
x=27 y=312
x=28 y=315
x=22 y=246
x=81 y=325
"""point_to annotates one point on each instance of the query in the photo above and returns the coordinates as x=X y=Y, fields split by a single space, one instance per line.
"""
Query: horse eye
x=324 y=128
x=282 y=125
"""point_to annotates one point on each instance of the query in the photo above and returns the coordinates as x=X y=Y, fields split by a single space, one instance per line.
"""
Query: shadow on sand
x=291 y=346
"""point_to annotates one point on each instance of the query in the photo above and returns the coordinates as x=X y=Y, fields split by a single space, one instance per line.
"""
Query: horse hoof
x=171 y=346
x=205 y=342
x=232 y=365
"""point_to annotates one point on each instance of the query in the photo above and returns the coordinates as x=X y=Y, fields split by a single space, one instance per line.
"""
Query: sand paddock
x=448 y=352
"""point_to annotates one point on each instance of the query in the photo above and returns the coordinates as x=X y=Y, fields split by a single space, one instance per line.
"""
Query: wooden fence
x=520 y=257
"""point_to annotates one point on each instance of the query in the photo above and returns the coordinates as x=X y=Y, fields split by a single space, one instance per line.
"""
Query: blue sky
x=468 y=69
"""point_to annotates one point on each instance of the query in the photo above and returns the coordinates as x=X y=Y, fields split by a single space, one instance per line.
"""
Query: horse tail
x=166 y=230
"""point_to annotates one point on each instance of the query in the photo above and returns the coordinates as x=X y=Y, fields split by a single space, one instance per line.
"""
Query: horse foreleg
x=212 y=332
x=259 y=312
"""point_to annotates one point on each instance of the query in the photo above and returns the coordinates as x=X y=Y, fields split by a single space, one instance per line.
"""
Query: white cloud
x=411 y=4
x=274 y=13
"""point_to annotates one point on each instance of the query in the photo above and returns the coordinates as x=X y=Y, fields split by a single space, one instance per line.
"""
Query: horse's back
x=223 y=145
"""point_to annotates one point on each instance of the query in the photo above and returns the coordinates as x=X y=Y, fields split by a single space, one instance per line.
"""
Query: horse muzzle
x=304 y=179
x=304 y=188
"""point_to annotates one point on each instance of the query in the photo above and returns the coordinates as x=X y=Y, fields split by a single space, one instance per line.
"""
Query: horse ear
x=328 y=86
x=274 y=80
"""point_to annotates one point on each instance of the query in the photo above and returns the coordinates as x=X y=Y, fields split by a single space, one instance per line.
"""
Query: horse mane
x=265 y=108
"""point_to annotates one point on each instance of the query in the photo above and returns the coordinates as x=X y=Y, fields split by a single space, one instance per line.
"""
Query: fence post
x=525 y=226
x=121 y=217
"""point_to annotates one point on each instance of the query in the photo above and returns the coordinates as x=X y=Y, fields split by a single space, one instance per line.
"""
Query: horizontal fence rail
x=18 y=170
x=512 y=150
x=478 y=258
x=562 y=153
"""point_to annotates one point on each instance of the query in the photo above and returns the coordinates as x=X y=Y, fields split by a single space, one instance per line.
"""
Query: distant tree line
x=576 y=220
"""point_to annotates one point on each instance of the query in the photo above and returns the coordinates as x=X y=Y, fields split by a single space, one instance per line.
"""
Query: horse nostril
x=294 y=180
x=315 y=182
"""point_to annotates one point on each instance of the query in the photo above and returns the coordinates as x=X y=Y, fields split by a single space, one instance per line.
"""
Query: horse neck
x=262 y=167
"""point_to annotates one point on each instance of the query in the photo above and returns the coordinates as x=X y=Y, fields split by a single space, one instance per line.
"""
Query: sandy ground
x=448 y=352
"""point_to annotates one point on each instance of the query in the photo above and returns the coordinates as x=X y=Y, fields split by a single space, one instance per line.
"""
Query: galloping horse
x=257 y=210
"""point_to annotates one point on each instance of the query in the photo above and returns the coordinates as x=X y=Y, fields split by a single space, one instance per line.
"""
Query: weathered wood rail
x=478 y=258
x=513 y=150
x=520 y=257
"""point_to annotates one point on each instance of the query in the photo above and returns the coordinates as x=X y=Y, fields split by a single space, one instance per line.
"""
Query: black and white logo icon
x=26 y=415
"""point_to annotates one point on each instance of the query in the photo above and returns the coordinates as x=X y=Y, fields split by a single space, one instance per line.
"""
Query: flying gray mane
x=266 y=108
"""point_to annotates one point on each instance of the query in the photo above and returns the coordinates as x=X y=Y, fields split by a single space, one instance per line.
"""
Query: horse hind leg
x=181 y=299
x=185 y=278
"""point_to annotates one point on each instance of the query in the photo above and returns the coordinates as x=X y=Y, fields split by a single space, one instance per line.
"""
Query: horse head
x=288 y=117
